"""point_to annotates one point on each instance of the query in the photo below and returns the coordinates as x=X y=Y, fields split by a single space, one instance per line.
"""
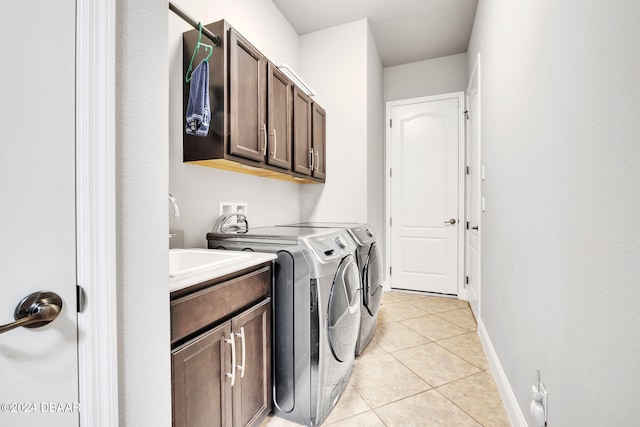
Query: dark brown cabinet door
x=201 y=389
x=252 y=392
x=318 y=140
x=302 y=154
x=279 y=111
x=247 y=103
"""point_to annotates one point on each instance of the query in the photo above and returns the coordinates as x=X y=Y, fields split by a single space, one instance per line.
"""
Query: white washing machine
x=370 y=266
x=316 y=314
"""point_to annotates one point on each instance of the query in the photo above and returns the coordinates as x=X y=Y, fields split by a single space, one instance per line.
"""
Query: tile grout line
x=458 y=406
x=481 y=370
x=440 y=339
x=413 y=345
x=449 y=382
x=458 y=355
x=431 y=341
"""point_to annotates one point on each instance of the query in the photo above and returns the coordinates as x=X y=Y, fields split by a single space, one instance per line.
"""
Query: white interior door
x=37 y=169
x=425 y=223
x=473 y=194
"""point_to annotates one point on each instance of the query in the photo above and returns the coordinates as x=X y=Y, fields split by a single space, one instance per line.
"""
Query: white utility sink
x=187 y=261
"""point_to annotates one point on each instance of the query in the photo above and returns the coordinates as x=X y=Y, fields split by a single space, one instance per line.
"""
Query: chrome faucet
x=176 y=211
x=221 y=226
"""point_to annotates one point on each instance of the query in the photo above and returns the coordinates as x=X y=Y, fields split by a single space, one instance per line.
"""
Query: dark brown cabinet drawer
x=195 y=311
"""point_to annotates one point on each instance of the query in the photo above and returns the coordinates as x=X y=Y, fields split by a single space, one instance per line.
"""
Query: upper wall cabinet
x=253 y=113
x=302 y=152
x=318 y=140
x=279 y=107
x=248 y=102
x=309 y=136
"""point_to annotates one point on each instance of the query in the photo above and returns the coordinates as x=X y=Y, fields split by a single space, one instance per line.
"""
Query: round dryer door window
x=343 y=317
x=372 y=282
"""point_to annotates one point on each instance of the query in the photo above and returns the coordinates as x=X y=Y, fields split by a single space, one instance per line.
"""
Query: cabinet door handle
x=241 y=367
x=264 y=147
x=232 y=375
x=317 y=161
x=311 y=158
x=275 y=143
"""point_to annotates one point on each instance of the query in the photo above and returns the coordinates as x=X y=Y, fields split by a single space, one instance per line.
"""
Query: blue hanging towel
x=198 y=109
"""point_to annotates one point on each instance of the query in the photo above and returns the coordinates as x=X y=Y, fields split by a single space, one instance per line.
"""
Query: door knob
x=35 y=310
x=451 y=221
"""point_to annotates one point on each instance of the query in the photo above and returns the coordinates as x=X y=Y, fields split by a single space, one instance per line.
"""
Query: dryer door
x=343 y=318
x=372 y=280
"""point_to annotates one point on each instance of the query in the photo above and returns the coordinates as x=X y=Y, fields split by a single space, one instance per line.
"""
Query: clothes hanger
x=206 y=47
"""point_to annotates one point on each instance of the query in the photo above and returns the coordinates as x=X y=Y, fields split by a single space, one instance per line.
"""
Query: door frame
x=474 y=78
x=461 y=180
x=95 y=212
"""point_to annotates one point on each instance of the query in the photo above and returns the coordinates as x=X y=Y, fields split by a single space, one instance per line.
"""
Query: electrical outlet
x=539 y=404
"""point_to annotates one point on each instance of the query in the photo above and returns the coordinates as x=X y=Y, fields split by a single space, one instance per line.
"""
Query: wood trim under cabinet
x=230 y=165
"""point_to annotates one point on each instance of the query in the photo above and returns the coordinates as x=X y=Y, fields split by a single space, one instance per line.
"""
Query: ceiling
x=404 y=30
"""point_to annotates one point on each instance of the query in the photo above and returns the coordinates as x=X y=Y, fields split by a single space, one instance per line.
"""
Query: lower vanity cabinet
x=222 y=376
x=252 y=389
x=201 y=394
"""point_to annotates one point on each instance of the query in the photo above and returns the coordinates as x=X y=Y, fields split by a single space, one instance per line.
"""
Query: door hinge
x=468 y=170
x=390 y=270
x=466 y=114
x=81 y=299
x=390 y=123
x=466 y=280
x=390 y=222
x=390 y=173
x=467 y=225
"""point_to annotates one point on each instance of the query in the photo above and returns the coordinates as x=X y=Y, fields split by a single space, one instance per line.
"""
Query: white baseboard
x=508 y=398
x=386 y=285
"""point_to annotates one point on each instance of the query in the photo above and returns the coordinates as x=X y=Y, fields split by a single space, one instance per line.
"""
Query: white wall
x=141 y=213
x=199 y=189
x=375 y=140
x=425 y=78
x=334 y=64
x=561 y=236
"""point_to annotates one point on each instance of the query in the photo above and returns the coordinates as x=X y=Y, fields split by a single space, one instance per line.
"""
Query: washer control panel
x=363 y=235
x=332 y=245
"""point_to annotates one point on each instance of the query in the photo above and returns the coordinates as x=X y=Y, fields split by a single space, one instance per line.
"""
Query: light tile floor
x=424 y=367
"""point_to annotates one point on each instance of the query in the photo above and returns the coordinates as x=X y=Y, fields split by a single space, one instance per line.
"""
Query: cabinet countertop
x=182 y=281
